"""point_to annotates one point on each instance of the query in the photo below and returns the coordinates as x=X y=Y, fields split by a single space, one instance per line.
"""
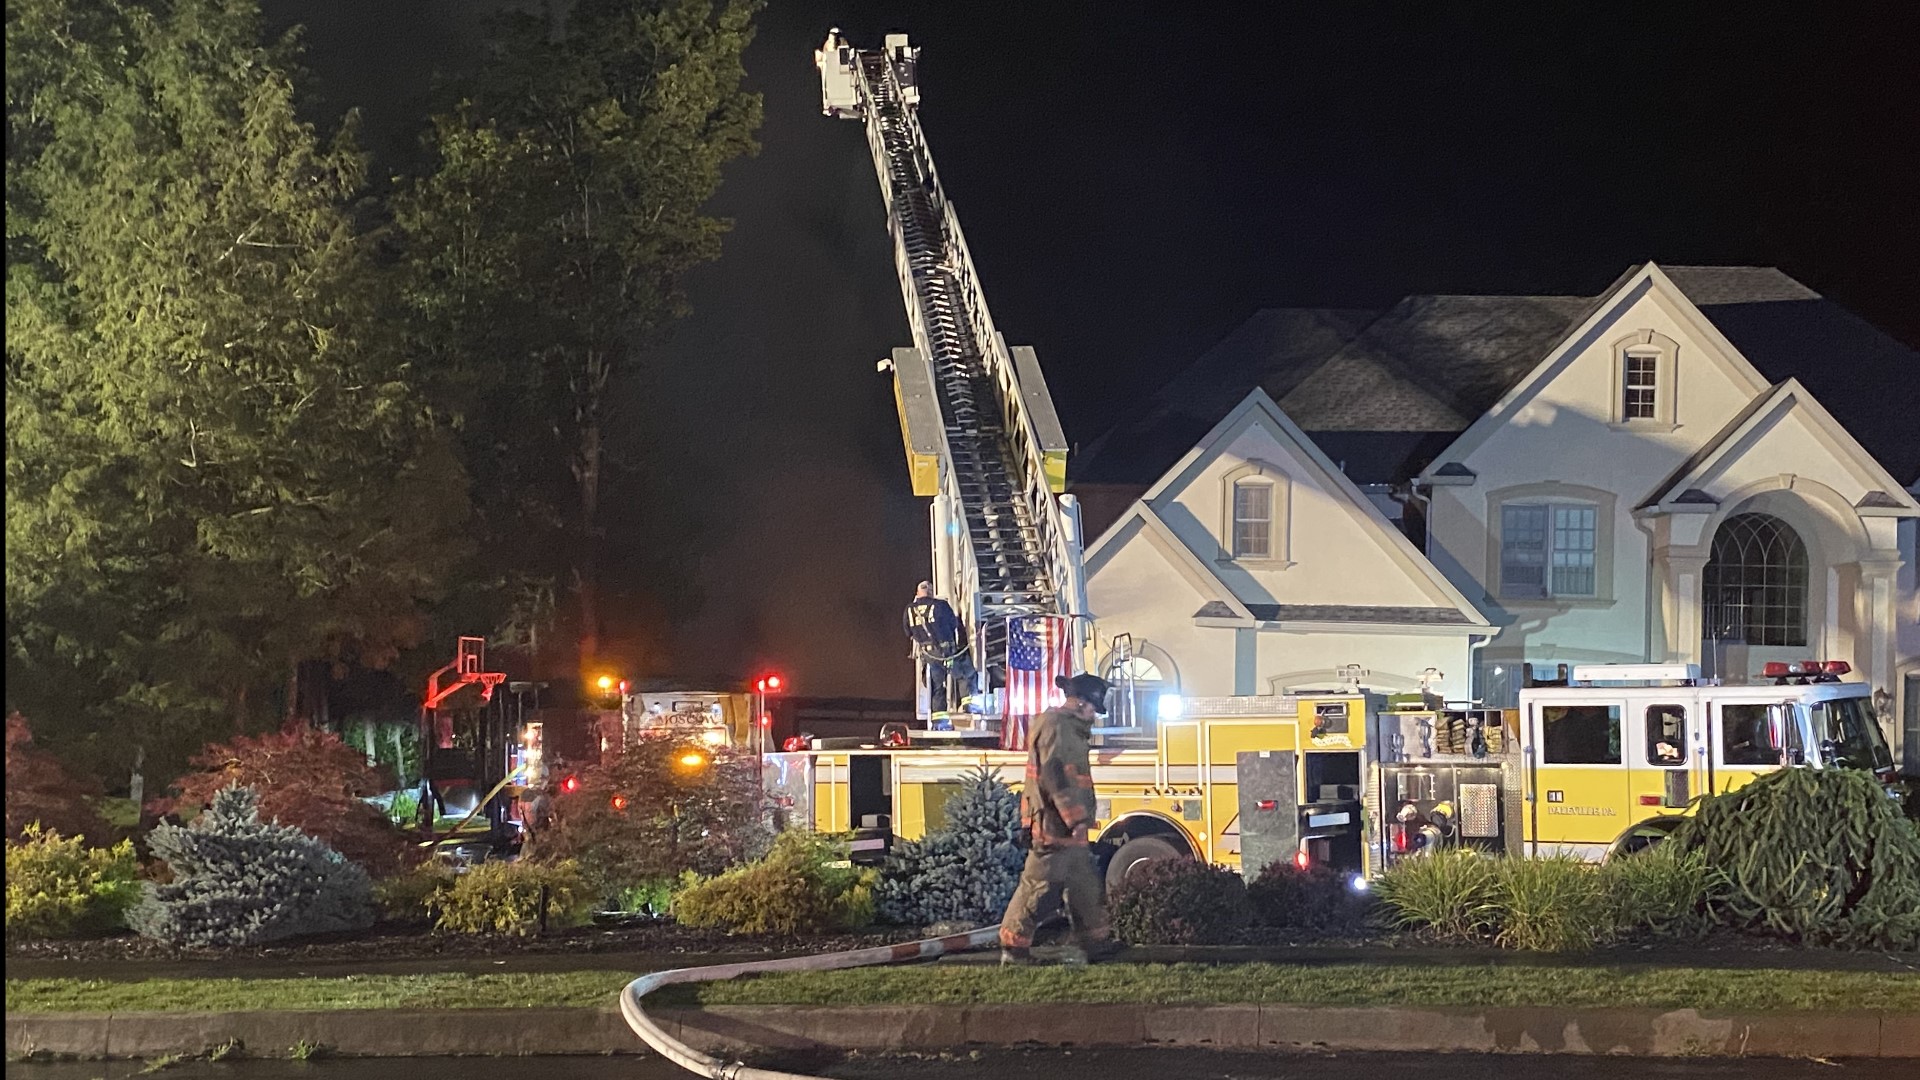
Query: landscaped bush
x=415 y=893
x=307 y=779
x=505 y=898
x=1554 y=903
x=57 y=887
x=1814 y=855
x=803 y=884
x=967 y=869
x=1660 y=891
x=1180 y=902
x=643 y=816
x=1453 y=895
x=41 y=791
x=240 y=881
x=1318 y=898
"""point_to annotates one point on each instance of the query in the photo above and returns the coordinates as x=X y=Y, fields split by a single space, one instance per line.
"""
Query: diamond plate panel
x=1480 y=810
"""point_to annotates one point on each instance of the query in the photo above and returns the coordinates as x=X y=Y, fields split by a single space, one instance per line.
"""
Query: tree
x=547 y=249
x=303 y=778
x=966 y=869
x=218 y=470
x=645 y=815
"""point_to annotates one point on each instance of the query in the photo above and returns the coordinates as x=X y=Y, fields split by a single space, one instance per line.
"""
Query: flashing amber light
x=606 y=682
x=693 y=759
x=618 y=802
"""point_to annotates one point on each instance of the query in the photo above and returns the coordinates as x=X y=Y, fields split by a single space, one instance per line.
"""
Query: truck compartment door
x=1269 y=812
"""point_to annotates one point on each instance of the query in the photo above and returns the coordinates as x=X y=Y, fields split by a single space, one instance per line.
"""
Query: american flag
x=1038 y=649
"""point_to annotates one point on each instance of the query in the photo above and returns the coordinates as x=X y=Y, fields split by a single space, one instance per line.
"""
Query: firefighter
x=1056 y=811
x=935 y=632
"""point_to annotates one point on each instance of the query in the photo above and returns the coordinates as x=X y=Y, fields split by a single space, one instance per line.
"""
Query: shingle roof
x=1372 y=384
x=1341 y=613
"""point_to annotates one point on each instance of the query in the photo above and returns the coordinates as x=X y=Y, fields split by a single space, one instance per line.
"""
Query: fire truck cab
x=1612 y=761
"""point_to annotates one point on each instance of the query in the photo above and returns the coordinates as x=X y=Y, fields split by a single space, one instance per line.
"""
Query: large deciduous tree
x=218 y=468
x=547 y=250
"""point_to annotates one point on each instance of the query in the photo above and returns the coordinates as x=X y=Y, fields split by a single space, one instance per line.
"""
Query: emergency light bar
x=1803 y=671
x=1594 y=673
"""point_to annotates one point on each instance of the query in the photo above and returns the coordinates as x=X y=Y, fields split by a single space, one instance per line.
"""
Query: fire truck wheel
x=1138 y=852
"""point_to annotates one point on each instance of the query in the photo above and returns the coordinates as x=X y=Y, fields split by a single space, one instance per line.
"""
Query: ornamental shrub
x=496 y=897
x=414 y=894
x=803 y=885
x=306 y=778
x=240 y=881
x=964 y=871
x=57 y=887
x=1552 y=903
x=41 y=791
x=1180 y=902
x=1821 y=856
x=642 y=816
x=1452 y=895
x=1660 y=891
x=1319 y=898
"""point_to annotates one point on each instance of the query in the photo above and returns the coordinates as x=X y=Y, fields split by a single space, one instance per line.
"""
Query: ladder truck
x=982 y=438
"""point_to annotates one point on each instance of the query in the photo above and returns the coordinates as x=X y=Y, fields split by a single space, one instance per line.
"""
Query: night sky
x=1136 y=179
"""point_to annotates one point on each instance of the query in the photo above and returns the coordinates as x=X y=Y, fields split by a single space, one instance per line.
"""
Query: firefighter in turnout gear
x=1056 y=810
x=935 y=632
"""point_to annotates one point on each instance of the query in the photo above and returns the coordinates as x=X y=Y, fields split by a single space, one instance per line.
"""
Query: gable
x=1331 y=547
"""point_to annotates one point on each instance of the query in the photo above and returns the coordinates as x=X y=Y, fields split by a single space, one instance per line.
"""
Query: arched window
x=1754 y=587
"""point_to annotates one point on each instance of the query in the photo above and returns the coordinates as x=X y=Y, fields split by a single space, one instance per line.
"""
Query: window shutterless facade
x=1548 y=549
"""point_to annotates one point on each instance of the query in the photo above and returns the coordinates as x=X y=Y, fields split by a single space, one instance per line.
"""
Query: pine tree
x=966 y=870
x=240 y=881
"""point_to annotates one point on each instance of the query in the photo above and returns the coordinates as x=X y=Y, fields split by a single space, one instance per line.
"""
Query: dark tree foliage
x=40 y=790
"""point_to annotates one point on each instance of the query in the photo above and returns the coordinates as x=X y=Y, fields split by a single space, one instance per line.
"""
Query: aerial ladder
x=982 y=437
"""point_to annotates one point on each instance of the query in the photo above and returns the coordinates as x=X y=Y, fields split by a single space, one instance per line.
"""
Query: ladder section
x=1005 y=533
x=1005 y=536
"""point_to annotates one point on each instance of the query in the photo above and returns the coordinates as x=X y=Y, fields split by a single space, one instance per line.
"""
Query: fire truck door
x=1269 y=809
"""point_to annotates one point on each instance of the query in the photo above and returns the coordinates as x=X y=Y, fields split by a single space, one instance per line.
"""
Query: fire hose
x=705 y=1064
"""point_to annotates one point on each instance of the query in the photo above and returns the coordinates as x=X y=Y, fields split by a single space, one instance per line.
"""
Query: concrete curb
x=740 y=1028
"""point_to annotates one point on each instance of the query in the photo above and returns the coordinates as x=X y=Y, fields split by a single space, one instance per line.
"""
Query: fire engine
x=1344 y=778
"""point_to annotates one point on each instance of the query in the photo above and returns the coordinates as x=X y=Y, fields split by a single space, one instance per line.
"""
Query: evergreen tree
x=965 y=870
x=217 y=468
x=240 y=881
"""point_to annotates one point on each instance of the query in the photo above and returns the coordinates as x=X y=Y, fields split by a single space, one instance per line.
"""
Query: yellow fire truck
x=1357 y=781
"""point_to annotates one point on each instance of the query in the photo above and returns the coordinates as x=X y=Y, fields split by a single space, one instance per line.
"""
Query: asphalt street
x=1159 y=1064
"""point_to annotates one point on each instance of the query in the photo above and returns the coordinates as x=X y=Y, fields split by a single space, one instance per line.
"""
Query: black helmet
x=1091 y=689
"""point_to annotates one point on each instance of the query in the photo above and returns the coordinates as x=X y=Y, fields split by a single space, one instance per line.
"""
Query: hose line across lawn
x=706 y=1065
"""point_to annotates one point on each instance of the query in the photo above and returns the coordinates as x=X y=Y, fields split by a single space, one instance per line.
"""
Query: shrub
x=1452 y=895
x=652 y=897
x=307 y=779
x=803 y=884
x=1660 y=891
x=1553 y=903
x=1180 y=902
x=40 y=790
x=964 y=871
x=1815 y=855
x=496 y=897
x=414 y=893
x=664 y=821
x=1319 y=898
x=58 y=887
x=240 y=881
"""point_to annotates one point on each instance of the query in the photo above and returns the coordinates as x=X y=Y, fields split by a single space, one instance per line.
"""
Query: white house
x=1254 y=567
x=1651 y=473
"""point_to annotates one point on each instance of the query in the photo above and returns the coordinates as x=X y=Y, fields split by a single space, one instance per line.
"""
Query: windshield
x=1849 y=724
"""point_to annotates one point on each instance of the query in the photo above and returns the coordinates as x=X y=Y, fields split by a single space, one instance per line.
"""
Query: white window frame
x=1665 y=354
x=1555 y=555
x=1249 y=526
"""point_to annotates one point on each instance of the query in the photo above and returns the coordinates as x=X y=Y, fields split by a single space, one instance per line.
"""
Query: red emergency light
x=766 y=720
x=1806 y=670
x=770 y=684
x=618 y=802
x=570 y=785
x=1301 y=860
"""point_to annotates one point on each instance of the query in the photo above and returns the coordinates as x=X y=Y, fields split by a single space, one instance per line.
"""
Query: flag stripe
x=1039 y=648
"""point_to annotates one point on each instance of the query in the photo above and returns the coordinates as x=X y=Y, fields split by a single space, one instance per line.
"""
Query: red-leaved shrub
x=305 y=778
x=40 y=789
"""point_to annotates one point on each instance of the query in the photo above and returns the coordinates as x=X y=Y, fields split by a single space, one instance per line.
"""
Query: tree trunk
x=137 y=783
x=293 y=693
x=587 y=567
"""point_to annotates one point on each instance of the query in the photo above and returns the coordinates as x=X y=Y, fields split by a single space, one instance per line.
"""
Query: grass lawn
x=1184 y=984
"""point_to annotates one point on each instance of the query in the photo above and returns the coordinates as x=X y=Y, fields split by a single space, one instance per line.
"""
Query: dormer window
x=1641 y=389
x=1643 y=380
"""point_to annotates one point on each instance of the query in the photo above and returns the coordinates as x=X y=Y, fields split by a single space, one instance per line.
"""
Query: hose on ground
x=709 y=1066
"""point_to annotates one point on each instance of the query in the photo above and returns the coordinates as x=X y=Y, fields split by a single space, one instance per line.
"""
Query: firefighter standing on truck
x=1056 y=810
x=935 y=632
